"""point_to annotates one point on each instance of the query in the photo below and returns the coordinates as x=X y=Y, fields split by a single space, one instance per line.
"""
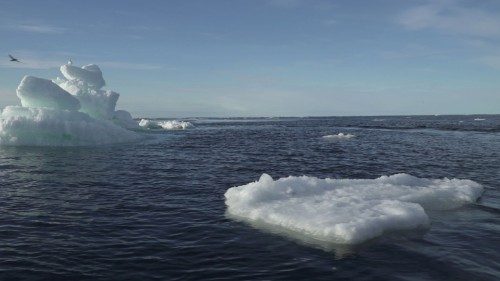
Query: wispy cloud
x=412 y=51
x=492 y=61
x=32 y=63
x=329 y=22
x=35 y=60
x=129 y=65
x=451 y=17
x=37 y=63
x=35 y=28
x=40 y=28
x=290 y=4
x=285 y=3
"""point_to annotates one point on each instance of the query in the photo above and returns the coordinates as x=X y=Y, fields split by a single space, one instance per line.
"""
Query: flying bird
x=13 y=58
x=70 y=62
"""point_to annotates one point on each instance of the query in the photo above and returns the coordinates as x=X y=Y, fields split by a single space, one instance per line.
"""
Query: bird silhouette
x=13 y=58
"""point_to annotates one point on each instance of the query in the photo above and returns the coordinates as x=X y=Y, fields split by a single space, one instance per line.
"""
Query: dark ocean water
x=155 y=210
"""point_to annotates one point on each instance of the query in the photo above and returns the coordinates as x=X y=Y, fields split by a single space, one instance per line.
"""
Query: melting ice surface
x=339 y=136
x=68 y=111
x=167 y=125
x=347 y=211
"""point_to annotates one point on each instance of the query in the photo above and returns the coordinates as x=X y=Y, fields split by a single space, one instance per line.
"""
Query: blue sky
x=266 y=57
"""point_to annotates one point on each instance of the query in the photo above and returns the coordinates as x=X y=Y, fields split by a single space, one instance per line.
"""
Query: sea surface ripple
x=155 y=210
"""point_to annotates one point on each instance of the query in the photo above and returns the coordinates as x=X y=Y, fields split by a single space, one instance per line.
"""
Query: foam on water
x=347 y=211
x=339 y=136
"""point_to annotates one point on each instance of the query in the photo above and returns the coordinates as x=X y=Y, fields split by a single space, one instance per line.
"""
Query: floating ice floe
x=346 y=211
x=175 y=125
x=149 y=124
x=66 y=112
x=167 y=125
x=339 y=136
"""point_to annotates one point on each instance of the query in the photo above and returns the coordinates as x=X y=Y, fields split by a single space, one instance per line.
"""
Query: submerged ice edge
x=69 y=111
x=347 y=211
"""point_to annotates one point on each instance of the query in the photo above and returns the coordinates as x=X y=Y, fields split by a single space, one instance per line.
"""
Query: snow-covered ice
x=91 y=74
x=347 y=211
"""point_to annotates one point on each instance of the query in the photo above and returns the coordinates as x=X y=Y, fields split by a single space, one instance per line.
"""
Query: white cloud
x=412 y=51
x=36 y=63
x=451 y=17
x=38 y=28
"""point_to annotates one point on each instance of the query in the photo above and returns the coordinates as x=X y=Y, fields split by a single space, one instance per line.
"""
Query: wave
x=347 y=211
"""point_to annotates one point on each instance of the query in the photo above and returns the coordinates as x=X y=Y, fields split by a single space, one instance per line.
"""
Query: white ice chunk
x=347 y=211
x=90 y=74
x=38 y=92
x=339 y=136
x=167 y=125
x=99 y=104
x=51 y=127
x=175 y=125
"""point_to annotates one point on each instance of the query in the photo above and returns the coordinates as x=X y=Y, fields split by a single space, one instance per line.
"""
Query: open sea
x=155 y=210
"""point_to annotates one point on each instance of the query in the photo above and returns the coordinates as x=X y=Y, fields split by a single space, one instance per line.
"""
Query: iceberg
x=69 y=111
x=346 y=211
x=53 y=127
